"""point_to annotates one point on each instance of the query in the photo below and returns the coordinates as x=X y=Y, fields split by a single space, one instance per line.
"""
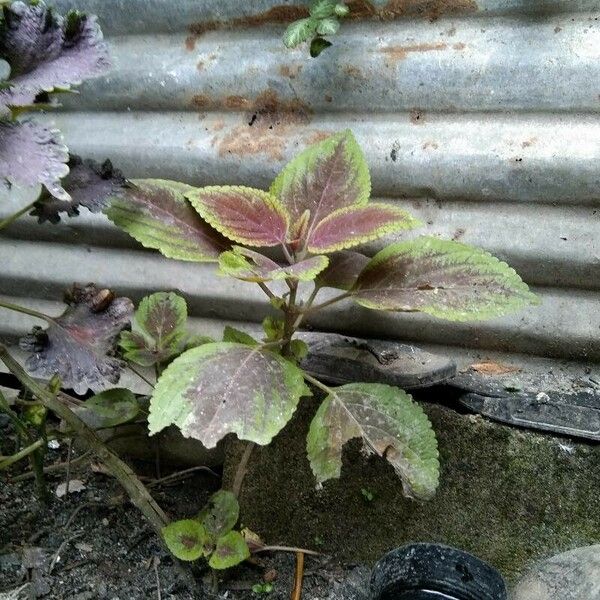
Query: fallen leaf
x=75 y=485
x=494 y=368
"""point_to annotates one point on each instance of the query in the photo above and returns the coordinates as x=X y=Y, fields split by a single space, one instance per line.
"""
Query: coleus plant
x=42 y=54
x=296 y=234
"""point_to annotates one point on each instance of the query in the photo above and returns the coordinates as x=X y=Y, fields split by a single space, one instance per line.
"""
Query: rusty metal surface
x=482 y=118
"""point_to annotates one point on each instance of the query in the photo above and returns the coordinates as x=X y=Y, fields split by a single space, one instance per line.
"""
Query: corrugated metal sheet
x=482 y=118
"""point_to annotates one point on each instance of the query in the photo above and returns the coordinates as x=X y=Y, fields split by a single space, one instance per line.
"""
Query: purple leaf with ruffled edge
x=327 y=176
x=355 y=225
x=245 y=215
x=79 y=345
x=248 y=265
x=343 y=270
x=31 y=154
x=90 y=184
x=47 y=52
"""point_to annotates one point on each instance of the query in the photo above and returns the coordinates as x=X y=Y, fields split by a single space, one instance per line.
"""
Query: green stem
x=37 y=458
x=26 y=311
x=307 y=306
x=25 y=452
x=291 y=314
x=266 y=290
x=6 y=222
x=317 y=383
x=327 y=303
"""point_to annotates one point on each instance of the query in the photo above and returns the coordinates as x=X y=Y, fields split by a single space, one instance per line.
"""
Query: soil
x=94 y=545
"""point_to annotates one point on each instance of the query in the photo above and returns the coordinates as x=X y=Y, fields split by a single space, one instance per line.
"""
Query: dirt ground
x=93 y=545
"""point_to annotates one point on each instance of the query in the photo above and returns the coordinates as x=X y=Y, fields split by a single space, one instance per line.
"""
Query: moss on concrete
x=509 y=496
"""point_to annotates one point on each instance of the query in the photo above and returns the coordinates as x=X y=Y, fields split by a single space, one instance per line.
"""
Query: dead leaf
x=75 y=485
x=494 y=368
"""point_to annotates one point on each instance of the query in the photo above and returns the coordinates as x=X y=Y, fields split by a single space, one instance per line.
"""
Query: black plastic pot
x=435 y=572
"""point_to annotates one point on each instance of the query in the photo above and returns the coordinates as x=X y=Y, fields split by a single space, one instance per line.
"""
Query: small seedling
x=367 y=495
x=262 y=588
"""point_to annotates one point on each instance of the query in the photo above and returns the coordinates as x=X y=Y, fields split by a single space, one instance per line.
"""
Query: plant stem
x=241 y=469
x=37 y=458
x=307 y=306
x=298 y=577
x=266 y=290
x=29 y=450
x=138 y=494
x=317 y=383
x=285 y=549
x=6 y=222
x=142 y=377
x=291 y=314
x=26 y=311
x=327 y=303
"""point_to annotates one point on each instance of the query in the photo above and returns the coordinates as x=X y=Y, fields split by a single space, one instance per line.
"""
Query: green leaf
x=327 y=176
x=341 y=10
x=328 y=26
x=445 y=279
x=231 y=550
x=390 y=425
x=159 y=330
x=318 y=45
x=262 y=588
x=230 y=334
x=35 y=415
x=185 y=539
x=299 y=31
x=114 y=407
x=299 y=349
x=221 y=514
x=156 y=214
x=273 y=328
x=245 y=215
x=320 y=9
x=223 y=388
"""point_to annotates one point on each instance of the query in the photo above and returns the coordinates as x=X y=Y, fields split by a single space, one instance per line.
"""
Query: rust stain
x=318 y=136
x=218 y=126
x=353 y=71
x=394 y=9
x=459 y=46
x=417 y=117
x=529 y=142
x=201 y=101
x=397 y=53
x=190 y=43
x=432 y=145
x=237 y=103
x=290 y=71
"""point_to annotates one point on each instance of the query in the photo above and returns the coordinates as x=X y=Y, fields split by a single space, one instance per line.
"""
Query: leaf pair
x=210 y=535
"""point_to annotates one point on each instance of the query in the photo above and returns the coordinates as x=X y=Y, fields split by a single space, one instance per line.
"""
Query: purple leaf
x=330 y=175
x=445 y=279
x=31 y=154
x=357 y=225
x=79 y=345
x=245 y=215
x=47 y=52
x=90 y=184
x=343 y=270
x=157 y=214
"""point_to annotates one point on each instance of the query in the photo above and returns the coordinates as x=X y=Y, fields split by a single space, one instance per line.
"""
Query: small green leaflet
x=327 y=176
x=223 y=388
x=445 y=279
x=389 y=423
x=231 y=550
x=220 y=514
x=156 y=214
x=186 y=539
x=231 y=334
x=159 y=330
x=299 y=31
x=114 y=407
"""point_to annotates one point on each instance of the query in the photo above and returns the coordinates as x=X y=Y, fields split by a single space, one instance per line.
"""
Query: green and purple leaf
x=46 y=51
x=186 y=539
x=231 y=550
x=445 y=279
x=389 y=423
x=220 y=514
x=223 y=388
x=79 y=345
x=244 y=215
x=343 y=270
x=113 y=407
x=158 y=332
x=231 y=334
x=248 y=265
x=89 y=184
x=31 y=154
x=327 y=176
x=356 y=225
x=156 y=213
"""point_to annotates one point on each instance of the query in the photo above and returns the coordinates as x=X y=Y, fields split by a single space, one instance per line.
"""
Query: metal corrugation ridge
x=154 y=16
x=481 y=118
